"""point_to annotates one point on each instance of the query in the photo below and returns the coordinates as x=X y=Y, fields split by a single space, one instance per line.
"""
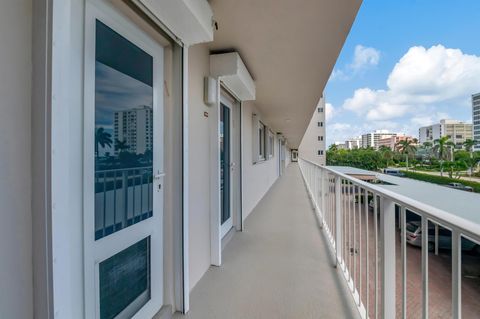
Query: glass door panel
x=123 y=133
x=123 y=167
x=225 y=176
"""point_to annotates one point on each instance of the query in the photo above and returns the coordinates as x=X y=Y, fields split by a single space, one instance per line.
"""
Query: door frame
x=95 y=251
x=216 y=237
x=228 y=224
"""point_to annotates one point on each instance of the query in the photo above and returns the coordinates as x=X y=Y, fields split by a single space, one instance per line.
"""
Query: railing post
x=388 y=233
x=456 y=275
x=322 y=196
x=425 y=268
x=315 y=187
x=338 y=218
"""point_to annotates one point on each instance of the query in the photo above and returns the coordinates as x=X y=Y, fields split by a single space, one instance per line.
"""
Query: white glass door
x=226 y=165
x=123 y=167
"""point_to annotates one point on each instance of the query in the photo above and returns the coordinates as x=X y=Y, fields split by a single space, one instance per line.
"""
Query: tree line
x=442 y=155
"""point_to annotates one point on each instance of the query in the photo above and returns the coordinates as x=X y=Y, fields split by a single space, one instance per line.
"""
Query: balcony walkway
x=279 y=267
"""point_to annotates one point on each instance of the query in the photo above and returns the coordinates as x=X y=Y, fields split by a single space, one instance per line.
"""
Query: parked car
x=460 y=186
x=393 y=172
x=414 y=237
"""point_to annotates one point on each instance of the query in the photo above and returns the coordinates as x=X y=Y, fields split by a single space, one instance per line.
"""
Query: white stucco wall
x=199 y=164
x=15 y=160
x=257 y=178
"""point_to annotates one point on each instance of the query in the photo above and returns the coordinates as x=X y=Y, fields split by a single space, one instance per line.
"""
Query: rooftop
x=457 y=202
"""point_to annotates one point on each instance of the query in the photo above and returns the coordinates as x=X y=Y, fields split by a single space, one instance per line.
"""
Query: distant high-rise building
x=457 y=131
x=340 y=145
x=353 y=143
x=134 y=127
x=392 y=141
x=313 y=145
x=371 y=139
x=476 y=119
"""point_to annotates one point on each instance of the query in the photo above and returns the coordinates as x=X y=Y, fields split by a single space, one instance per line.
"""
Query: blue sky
x=405 y=64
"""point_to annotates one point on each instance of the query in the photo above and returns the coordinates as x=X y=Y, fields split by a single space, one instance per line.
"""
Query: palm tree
x=333 y=148
x=427 y=146
x=469 y=144
x=406 y=147
x=387 y=154
x=102 y=139
x=442 y=147
x=121 y=145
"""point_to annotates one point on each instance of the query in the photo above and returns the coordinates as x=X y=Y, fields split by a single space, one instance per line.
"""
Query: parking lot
x=439 y=271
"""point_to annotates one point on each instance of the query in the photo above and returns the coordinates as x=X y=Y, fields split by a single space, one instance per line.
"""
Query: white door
x=226 y=164
x=123 y=167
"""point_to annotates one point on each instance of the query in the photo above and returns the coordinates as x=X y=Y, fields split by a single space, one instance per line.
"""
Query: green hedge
x=442 y=180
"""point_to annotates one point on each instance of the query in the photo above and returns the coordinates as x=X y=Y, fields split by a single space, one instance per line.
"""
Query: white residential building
x=457 y=131
x=371 y=139
x=353 y=143
x=340 y=145
x=476 y=119
x=135 y=128
x=313 y=145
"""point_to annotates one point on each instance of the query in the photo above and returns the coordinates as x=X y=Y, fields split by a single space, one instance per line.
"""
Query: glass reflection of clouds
x=123 y=133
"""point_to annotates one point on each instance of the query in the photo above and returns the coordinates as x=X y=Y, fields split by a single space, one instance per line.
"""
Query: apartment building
x=89 y=232
x=313 y=145
x=476 y=119
x=353 y=143
x=457 y=131
x=392 y=141
x=371 y=139
x=133 y=130
x=340 y=145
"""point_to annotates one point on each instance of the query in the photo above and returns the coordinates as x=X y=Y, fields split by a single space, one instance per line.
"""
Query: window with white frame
x=271 y=144
x=261 y=141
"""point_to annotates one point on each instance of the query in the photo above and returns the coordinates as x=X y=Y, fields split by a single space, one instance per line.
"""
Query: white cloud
x=422 y=78
x=429 y=119
x=363 y=58
x=329 y=111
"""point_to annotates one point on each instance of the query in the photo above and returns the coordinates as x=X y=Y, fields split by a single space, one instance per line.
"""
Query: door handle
x=158 y=176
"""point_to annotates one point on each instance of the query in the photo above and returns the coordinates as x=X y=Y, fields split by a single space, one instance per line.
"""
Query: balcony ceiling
x=290 y=48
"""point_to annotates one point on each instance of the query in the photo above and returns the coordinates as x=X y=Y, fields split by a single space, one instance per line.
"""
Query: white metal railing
x=123 y=197
x=366 y=226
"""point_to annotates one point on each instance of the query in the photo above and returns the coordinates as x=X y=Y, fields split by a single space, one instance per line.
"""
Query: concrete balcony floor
x=279 y=267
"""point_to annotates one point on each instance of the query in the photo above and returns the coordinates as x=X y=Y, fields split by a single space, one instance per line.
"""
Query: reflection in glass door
x=225 y=164
x=123 y=133
x=123 y=168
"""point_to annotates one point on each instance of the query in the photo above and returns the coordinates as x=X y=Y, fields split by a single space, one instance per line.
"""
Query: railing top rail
x=468 y=228
x=123 y=169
